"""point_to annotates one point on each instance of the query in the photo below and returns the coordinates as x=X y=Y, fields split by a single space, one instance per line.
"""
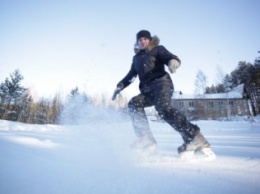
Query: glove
x=117 y=90
x=173 y=64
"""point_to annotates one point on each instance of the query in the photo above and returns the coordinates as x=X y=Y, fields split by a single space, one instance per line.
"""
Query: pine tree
x=11 y=93
x=42 y=111
x=249 y=75
x=255 y=86
x=76 y=109
x=226 y=84
x=257 y=62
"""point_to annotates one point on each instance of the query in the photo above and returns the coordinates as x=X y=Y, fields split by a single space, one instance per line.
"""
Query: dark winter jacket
x=149 y=65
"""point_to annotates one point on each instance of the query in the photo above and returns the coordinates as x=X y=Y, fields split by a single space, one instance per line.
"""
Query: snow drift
x=95 y=157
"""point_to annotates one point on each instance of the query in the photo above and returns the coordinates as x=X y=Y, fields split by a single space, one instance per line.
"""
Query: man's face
x=143 y=42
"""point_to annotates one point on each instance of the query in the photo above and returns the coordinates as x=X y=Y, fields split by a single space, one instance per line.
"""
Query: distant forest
x=17 y=104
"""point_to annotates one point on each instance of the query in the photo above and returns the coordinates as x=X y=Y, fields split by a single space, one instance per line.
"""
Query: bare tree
x=220 y=75
x=201 y=82
x=200 y=90
x=24 y=108
x=55 y=109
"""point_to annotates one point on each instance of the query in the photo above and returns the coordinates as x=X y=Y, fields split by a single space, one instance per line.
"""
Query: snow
x=96 y=158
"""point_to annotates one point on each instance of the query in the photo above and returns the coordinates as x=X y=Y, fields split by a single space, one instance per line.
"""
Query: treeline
x=17 y=104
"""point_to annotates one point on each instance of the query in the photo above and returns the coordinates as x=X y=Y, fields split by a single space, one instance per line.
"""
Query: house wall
x=212 y=108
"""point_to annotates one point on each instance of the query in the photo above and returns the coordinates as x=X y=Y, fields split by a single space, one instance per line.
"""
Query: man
x=156 y=89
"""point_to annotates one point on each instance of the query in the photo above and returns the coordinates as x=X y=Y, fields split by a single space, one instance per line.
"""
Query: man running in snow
x=156 y=88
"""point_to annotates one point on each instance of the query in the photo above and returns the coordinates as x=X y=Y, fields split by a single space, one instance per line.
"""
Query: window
x=191 y=104
x=211 y=104
x=220 y=103
x=181 y=104
x=231 y=103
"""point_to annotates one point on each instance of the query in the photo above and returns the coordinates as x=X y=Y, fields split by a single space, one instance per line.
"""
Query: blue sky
x=58 y=45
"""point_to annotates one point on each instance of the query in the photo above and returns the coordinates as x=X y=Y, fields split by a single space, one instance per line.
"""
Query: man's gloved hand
x=173 y=64
x=117 y=90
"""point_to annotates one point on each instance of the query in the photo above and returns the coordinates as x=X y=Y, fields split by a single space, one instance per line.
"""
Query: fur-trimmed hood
x=153 y=43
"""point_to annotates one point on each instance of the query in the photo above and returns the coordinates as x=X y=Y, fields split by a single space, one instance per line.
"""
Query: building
x=213 y=106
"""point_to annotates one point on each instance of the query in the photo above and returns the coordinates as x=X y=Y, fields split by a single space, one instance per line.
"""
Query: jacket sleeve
x=128 y=79
x=165 y=56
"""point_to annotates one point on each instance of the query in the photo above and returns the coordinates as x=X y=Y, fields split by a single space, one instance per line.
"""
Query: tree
x=255 y=86
x=42 y=111
x=11 y=93
x=56 y=107
x=220 y=75
x=257 y=62
x=249 y=75
x=200 y=90
x=242 y=74
x=223 y=83
x=226 y=84
x=200 y=83
x=76 y=108
x=211 y=90
x=74 y=92
x=24 y=109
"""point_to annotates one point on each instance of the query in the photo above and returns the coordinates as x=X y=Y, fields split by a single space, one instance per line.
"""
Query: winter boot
x=197 y=143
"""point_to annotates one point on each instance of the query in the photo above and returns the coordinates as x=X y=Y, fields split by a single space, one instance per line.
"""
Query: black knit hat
x=143 y=33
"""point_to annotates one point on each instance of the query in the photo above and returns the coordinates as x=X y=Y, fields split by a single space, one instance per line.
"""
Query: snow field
x=96 y=158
